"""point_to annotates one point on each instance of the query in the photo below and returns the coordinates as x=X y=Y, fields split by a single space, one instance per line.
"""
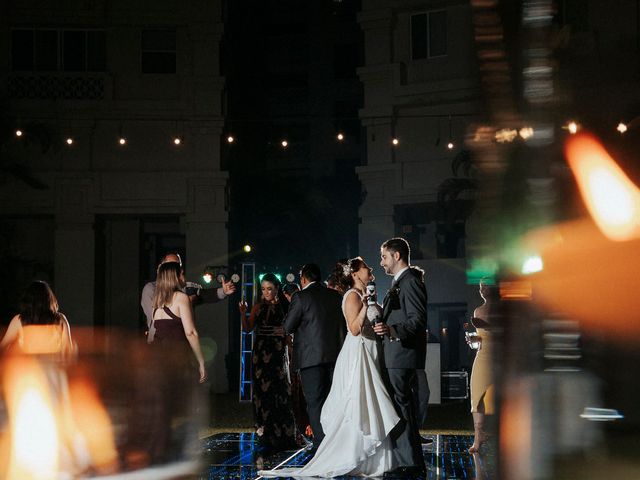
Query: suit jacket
x=405 y=309
x=315 y=318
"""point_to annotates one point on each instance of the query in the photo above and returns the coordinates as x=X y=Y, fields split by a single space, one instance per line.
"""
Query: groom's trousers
x=408 y=448
x=316 y=383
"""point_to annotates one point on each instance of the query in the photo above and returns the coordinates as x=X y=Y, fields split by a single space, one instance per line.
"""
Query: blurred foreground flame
x=33 y=441
x=57 y=428
x=612 y=199
x=591 y=269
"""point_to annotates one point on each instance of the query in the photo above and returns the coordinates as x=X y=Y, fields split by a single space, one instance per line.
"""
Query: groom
x=316 y=321
x=405 y=347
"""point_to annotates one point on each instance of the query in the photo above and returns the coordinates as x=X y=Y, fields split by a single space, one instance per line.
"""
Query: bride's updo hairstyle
x=344 y=270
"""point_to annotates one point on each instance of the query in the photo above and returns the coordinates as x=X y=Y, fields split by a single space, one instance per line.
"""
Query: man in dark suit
x=405 y=347
x=315 y=318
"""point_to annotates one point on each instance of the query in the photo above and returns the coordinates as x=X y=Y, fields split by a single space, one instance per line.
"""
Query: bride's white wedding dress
x=356 y=417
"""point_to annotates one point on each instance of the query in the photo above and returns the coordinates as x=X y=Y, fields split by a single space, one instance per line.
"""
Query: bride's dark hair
x=344 y=269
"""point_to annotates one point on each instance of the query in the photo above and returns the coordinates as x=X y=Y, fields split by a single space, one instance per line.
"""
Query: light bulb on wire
x=284 y=144
x=18 y=133
x=395 y=142
x=622 y=127
x=230 y=139
x=340 y=136
x=177 y=140
x=122 y=141
x=69 y=141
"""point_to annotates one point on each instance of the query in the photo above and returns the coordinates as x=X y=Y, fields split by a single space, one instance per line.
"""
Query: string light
x=526 y=133
x=573 y=127
x=505 y=135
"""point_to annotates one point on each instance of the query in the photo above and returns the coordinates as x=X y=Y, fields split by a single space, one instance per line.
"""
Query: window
x=428 y=34
x=158 y=51
x=58 y=50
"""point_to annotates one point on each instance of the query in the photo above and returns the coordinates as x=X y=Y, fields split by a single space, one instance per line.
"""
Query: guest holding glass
x=273 y=415
x=481 y=374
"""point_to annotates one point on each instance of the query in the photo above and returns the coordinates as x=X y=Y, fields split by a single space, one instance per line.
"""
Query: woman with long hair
x=39 y=327
x=173 y=317
x=272 y=406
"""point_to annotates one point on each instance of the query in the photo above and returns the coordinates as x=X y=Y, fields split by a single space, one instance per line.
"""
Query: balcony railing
x=56 y=86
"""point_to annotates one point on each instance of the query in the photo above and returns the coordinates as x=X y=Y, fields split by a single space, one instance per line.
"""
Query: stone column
x=207 y=244
x=74 y=272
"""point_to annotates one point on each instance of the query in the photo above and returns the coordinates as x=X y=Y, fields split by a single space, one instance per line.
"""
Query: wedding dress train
x=356 y=417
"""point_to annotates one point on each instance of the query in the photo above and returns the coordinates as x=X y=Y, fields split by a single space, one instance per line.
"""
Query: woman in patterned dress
x=274 y=421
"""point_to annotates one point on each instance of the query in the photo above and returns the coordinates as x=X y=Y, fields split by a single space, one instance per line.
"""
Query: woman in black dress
x=273 y=414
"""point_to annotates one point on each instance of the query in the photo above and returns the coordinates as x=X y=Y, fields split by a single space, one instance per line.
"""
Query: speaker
x=455 y=385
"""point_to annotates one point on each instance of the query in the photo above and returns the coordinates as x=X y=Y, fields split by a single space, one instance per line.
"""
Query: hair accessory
x=346 y=270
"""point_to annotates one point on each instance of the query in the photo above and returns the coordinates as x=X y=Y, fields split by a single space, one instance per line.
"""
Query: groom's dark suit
x=405 y=310
x=315 y=318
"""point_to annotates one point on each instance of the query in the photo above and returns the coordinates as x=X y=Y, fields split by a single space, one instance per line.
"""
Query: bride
x=358 y=413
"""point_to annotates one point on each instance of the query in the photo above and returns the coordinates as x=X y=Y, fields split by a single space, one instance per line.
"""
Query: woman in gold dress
x=481 y=374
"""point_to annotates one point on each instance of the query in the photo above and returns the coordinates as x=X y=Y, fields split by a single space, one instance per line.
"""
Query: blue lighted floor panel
x=230 y=456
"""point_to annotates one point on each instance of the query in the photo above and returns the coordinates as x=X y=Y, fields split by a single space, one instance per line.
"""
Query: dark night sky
x=290 y=212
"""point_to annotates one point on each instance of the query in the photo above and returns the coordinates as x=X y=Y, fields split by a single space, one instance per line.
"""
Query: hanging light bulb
x=526 y=133
x=395 y=142
x=340 y=136
x=450 y=145
x=122 y=141
x=177 y=140
x=284 y=144
x=573 y=127
x=18 y=133
x=230 y=139
x=622 y=127
x=69 y=141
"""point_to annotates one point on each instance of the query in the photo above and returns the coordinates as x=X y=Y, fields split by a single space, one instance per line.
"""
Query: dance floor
x=237 y=456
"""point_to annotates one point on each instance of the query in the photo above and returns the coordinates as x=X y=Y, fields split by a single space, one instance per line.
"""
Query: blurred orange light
x=611 y=198
x=516 y=290
x=33 y=426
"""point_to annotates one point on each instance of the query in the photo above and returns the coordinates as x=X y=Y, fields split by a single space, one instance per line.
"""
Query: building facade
x=421 y=95
x=120 y=109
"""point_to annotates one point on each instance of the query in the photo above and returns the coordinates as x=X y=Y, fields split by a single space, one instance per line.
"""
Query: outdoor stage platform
x=238 y=456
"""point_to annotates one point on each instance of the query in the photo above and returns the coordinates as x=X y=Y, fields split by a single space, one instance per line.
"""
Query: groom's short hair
x=400 y=245
x=311 y=272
